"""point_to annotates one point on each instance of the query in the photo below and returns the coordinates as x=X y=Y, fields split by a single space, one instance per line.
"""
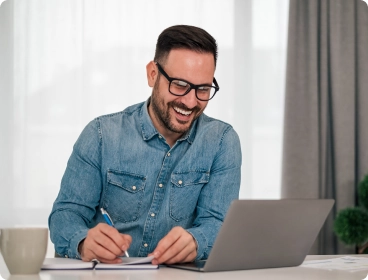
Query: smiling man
x=172 y=114
x=164 y=171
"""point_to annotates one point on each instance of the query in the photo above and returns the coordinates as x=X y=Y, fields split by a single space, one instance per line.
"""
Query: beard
x=162 y=112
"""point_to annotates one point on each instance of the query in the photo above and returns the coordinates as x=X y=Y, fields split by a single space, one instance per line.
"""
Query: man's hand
x=177 y=246
x=105 y=244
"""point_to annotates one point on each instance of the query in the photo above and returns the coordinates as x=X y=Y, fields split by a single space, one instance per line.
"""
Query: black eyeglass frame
x=191 y=86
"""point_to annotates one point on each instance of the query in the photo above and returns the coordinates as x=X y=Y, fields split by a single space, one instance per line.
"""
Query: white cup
x=23 y=249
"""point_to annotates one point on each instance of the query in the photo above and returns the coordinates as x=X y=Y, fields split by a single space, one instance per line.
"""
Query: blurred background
x=65 y=62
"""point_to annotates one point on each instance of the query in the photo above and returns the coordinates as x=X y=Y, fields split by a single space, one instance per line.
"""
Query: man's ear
x=151 y=69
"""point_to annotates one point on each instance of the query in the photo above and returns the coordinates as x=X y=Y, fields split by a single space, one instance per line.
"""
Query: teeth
x=181 y=111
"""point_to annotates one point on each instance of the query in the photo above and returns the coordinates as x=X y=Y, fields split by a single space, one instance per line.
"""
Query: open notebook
x=69 y=264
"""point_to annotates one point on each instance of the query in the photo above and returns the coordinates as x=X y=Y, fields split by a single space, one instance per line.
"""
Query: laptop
x=265 y=234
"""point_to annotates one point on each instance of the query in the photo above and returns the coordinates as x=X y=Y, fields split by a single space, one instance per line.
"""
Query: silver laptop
x=265 y=234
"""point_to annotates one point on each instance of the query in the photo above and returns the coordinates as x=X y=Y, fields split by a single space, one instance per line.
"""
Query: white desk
x=165 y=273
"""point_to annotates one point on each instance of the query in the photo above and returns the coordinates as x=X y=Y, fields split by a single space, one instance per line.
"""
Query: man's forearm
x=67 y=230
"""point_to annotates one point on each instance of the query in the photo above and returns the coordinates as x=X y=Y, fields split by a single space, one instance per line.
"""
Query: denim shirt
x=121 y=163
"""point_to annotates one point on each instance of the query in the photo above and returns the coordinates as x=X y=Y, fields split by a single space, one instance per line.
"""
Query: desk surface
x=165 y=273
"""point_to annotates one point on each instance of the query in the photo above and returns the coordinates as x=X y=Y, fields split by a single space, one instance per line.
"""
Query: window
x=64 y=63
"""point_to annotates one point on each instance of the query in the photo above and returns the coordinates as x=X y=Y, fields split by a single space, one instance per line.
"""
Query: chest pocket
x=124 y=195
x=184 y=193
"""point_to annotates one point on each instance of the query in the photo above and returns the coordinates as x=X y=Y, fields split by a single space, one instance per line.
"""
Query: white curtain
x=65 y=62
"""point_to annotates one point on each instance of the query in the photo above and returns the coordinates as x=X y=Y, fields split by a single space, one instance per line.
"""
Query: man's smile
x=182 y=111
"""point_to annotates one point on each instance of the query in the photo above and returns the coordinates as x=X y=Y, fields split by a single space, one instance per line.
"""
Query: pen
x=110 y=223
x=95 y=262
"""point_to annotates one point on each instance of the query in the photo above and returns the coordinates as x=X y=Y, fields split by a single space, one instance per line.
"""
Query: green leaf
x=351 y=226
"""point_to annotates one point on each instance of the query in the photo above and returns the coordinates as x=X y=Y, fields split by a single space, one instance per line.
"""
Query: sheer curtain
x=65 y=62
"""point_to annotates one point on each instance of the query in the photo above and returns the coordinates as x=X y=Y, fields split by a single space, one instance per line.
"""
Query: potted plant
x=351 y=224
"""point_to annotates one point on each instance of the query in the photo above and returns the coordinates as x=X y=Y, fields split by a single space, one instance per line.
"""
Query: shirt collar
x=149 y=131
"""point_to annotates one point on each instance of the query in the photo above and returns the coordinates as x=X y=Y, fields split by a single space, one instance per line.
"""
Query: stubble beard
x=162 y=111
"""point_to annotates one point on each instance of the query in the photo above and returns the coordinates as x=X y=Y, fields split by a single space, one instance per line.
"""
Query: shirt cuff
x=202 y=244
x=74 y=243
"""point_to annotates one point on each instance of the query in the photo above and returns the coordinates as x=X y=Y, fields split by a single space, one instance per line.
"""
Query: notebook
x=265 y=234
x=70 y=264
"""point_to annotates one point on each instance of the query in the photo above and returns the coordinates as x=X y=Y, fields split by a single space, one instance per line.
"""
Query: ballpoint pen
x=110 y=222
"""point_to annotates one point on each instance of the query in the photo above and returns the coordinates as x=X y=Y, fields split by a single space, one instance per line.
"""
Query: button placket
x=156 y=204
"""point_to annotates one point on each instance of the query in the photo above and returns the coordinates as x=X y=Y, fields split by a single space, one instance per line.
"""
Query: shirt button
x=152 y=214
x=160 y=136
x=66 y=256
x=168 y=154
x=134 y=187
x=160 y=185
x=180 y=182
x=145 y=245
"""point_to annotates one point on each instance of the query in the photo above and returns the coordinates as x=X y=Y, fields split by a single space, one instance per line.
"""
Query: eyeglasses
x=181 y=87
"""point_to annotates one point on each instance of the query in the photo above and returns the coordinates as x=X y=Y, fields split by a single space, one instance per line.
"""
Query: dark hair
x=184 y=37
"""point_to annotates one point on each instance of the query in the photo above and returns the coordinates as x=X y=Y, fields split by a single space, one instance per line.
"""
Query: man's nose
x=190 y=99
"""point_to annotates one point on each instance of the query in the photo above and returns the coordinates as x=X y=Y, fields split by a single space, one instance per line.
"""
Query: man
x=165 y=172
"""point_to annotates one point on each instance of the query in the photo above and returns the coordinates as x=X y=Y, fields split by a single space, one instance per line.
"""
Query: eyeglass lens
x=179 y=87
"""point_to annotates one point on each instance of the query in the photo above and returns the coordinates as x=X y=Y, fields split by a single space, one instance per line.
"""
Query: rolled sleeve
x=201 y=241
x=74 y=243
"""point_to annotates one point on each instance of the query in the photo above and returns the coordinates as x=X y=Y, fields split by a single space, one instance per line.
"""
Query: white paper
x=347 y=263
x=130 y=263
x=137 y=260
